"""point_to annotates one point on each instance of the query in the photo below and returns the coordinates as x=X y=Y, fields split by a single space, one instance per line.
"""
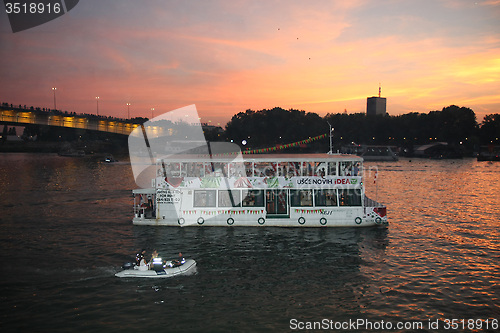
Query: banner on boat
x=258 y=182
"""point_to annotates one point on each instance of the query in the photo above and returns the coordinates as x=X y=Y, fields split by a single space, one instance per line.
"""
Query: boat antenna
x=331 y=137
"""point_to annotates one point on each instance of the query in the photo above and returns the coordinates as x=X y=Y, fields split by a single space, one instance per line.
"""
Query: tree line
x=453 y=124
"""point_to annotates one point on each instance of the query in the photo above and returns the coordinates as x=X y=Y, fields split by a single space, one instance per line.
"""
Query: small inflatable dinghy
x=187 y=268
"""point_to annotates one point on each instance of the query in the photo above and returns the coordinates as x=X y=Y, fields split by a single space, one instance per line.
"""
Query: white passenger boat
x=187 y=268
x=285 y=190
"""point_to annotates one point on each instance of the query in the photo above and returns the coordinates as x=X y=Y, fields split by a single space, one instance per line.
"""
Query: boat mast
x=331 y=137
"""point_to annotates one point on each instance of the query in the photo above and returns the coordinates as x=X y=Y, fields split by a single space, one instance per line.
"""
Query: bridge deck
x=23 y=117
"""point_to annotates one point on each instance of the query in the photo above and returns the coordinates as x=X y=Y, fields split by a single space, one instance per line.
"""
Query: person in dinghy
x=176 y=262
x=140 y=260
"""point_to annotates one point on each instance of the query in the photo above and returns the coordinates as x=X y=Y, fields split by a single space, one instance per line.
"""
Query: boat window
x=350 y=168
x=204 y=198
x=184 y=168
x=346 y=168
x=272 y=170
x=249 y=168
x=195 y=169
x=159 y=171
x=208 y=168
x=236 y=169
x=225 y=198
x=281 y=169
x=301 y=198
x=324 y=198
x=332 y=168
x=350 y=197
x=220 y=169
x=258 y=169
x=225 y=169
x=290 y=169
x=320 y=169
x=173 y=169
x=357 y=169
x=264 y=169
x=307 y=168
x=254 y=198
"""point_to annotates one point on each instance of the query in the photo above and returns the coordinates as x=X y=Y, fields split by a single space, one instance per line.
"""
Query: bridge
x=101 y=124
x=22 y=117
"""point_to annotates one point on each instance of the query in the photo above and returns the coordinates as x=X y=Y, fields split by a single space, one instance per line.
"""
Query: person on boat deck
x=139 y=256
x=179 y=261
x=141 y=260
x=153 y=256
x=356 y=169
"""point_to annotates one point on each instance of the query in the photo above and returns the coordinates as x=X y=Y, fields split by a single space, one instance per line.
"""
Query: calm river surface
x=65 y=229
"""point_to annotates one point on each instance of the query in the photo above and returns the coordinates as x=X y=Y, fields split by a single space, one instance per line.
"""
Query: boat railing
x=372 y=203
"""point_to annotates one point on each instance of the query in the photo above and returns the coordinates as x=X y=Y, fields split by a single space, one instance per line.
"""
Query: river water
x=65 y=229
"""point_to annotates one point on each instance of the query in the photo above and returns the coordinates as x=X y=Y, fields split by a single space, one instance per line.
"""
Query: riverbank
x=89 y=147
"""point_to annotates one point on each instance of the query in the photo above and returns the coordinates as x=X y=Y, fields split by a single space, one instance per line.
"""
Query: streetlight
x=128 y=110
x=97 y=99
x=54 y=90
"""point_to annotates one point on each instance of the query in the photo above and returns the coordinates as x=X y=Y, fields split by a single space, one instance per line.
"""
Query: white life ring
x=200 y=220
x=261 y=221
x=301 y=220
x=322 y=221
x=378 y=220
x=181 y=221
x=230 y=221
x=358 y=220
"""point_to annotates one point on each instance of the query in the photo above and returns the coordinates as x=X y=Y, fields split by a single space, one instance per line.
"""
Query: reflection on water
x=444 y=235
x=66 y=225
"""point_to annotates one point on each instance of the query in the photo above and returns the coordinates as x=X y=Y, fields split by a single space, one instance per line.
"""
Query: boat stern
x=375 y=212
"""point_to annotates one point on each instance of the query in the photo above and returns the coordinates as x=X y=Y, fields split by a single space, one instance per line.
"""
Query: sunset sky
x=229 y=56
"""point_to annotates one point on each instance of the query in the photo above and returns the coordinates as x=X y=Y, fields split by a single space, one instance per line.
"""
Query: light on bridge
x=54 y=90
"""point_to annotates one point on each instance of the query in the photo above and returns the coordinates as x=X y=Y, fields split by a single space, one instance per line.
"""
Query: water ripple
x=66 y=225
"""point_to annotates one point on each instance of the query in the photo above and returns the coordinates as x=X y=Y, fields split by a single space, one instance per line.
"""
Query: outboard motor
x=128 y=265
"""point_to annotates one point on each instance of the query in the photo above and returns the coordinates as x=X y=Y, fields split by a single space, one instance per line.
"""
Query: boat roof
x=144 y=191
x=265 y=157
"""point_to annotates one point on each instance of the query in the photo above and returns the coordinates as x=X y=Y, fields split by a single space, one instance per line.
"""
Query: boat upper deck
x=319 y=157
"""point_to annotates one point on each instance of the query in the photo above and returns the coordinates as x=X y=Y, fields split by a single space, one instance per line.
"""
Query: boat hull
x=188 y=268
x=349 y=217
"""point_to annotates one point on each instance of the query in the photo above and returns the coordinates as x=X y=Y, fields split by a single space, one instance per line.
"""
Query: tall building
x=376 y=105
